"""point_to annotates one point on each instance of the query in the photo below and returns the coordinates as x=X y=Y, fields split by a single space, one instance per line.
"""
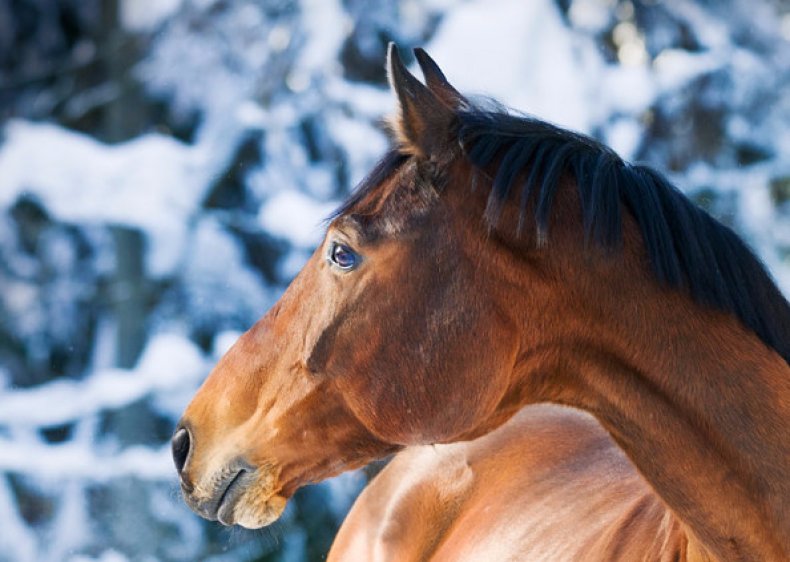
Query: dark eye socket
x=343 y=257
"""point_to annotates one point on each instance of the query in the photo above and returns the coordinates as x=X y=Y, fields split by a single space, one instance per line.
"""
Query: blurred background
x=165 y=167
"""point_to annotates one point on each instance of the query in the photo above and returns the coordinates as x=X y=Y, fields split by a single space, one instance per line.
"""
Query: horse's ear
x=424 y=124
x=437 y=83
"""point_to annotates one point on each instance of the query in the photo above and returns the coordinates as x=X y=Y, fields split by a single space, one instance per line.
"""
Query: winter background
x=165 y=167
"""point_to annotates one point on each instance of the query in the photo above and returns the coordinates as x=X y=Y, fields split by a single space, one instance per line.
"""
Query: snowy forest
x=166 y=167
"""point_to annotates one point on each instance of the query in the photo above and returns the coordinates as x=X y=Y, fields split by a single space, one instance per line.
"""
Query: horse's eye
x=343 y=257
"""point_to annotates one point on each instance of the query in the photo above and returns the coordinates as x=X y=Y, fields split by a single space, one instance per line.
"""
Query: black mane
x=688 y=249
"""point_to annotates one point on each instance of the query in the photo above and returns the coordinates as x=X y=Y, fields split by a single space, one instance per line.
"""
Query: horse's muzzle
x=220 y=504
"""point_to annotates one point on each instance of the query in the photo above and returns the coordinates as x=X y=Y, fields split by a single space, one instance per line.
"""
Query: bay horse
x=487 y=263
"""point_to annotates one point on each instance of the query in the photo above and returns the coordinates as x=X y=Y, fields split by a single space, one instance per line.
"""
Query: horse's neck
x=699 y=404
x=716 y=451
x=697 y=401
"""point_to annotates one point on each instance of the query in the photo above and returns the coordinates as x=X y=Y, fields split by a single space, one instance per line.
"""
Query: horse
x=549 y=484
x=490 y=262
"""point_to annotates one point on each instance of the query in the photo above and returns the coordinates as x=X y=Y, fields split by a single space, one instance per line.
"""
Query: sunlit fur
x=464 y=309
x=549 y=485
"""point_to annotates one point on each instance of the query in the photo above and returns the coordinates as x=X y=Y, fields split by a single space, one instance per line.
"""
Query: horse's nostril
x=180 y=444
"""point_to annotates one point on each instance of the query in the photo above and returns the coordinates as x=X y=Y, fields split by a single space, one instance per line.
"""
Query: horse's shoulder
x=549 y=484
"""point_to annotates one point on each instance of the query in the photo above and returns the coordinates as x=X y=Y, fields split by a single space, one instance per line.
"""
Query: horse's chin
x=252 y=500
x=255 y=513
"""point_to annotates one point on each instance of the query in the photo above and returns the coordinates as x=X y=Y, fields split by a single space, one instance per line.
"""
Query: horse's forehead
x=395 y=204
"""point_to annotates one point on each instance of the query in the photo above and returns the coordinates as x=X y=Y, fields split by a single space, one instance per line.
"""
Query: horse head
x=372 y=347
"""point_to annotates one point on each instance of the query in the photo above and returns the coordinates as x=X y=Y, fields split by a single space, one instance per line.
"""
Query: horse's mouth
x=231 y=496
x=249 y=499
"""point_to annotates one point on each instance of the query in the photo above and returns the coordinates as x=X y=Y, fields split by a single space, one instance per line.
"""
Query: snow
x=214 y=253
x=154 y=182
x=366 y=101
x=80 y=460
x=675 y=67
x=147 y=15
x=590 y=15
x=480 y=39
x=223 y=342
x=626 y=89
x=295 y=217
x=168 y=362
x=624 y=136
x=324 y=39
x=359 y=139
x=273 y=73
x=518 y=53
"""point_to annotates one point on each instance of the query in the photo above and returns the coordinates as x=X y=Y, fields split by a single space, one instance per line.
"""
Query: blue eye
x=343 y=257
